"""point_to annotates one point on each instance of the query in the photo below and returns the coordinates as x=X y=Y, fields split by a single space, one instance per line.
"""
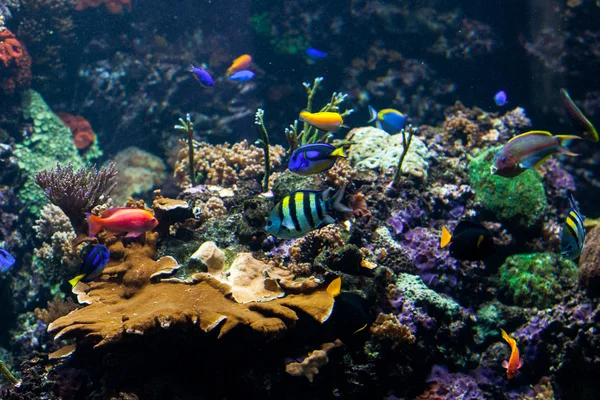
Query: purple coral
x=423 y=248
x=401 y=220
x=453 y=386
x=409 y=314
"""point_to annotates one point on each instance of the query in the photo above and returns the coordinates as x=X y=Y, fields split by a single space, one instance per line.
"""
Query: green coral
x=520 y=200
x=414 y=289
x=536 y=280
x=48 y=143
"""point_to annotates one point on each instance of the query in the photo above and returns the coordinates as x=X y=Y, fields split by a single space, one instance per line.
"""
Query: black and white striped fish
x=573 y=233
x=303 y=211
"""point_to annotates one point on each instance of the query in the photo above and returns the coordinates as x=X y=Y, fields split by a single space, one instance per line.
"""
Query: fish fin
x=133 y=234
x=509 y=340
x=521 y=362
x=112 y=211
x=335 y=287
x=479 y=240
x=344 y=126
x=76 y=280
x=336 y=201
x=505 y=364
x=446 y=237
x=379 y=125
x=543 y=160
x=533 y=161
x=339 y=152
x=545 y=133
x=372 y=115
x=190 y=68
x=94 y=224
x=565 y=141
x=112 y=233
x=577 y=118
x=327 y=220
x=360 y=329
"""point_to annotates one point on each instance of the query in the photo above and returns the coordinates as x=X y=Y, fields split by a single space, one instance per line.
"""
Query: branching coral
x=309 y=367
x=77 y=192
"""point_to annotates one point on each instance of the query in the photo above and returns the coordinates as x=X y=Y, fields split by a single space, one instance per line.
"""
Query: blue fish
x=573 y=233
x=314 y=158
x=95 y=259
x=242 y=76
x=202 y=76
x=500 y=98
x=389 y=120
x=6 y=260
x=304 y=211
x=315 y=54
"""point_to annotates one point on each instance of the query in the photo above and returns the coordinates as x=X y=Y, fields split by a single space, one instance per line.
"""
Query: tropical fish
x=325 y=120
x=349 y=314
x=390 y=120
x=315 y=54
x=242 y=76
x=95 y=259
x=135 y=221
x=471 y=241
x=240 y=63
x=500 y=98
x=514 y=362
x=6 y=260
x=581 y=123
x=304 y=211
x=573 y=233
x=529 y=150
x=314 y=158
x=201 y=75
x=335 y=287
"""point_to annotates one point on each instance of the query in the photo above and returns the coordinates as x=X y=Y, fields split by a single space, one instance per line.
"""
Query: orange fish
x=325 y=121
x=135 y=221
x=515 y=362
x=239 y=64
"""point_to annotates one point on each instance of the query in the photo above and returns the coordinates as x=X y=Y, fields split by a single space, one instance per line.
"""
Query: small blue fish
x=500 y=98
x=389 y=120
x=573 y=233
x=95 y=259
x=6 y=260
x=314 y=158
x=242 y=76
x=315 y=54
x=201 y=75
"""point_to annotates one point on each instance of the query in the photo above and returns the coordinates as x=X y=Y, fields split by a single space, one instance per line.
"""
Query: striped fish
x=573 y=233
x=304 y=211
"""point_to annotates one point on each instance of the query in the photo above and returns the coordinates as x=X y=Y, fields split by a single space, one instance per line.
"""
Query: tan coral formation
x=309 y=367
x=387 y=326
x=131 y=299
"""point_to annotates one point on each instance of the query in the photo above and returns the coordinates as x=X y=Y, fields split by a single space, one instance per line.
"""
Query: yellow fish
x=325 y=121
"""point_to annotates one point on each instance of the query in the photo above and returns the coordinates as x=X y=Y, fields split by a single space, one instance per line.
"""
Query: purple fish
x=201 y=75
x=315 y=54
x=6 y=260
x=314 y=158
x=529 y=150
x=242 y=76
x=500 y=98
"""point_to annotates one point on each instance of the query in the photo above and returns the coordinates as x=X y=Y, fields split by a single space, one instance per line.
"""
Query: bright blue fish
x=315 y=54
x=573 y=233
x=6 y=260
x=500 y=98
x=303 y=211
x=242 y=76
x=389 y=120
x=201 y=75
x=95 y=259
x=314 y=158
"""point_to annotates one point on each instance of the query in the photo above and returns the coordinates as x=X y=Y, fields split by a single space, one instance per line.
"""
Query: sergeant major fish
x=572 y=236
x=304 y=211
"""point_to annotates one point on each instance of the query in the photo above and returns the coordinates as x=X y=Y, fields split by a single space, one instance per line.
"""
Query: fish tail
x=508 y=339
x=446 y=237
x=189 y=68
x=335 y=287
x=76 y=280
x=94 y=224
x=565 y=142
x=335 y=203
x=372 y=114
x=339 y=152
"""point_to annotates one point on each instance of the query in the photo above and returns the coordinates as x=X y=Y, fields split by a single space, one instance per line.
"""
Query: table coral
x=15 y=65
x=83 y=134
x=309 y=367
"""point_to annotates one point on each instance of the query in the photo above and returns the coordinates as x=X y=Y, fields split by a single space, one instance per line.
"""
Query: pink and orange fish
x=515 y=361
x=134 y=221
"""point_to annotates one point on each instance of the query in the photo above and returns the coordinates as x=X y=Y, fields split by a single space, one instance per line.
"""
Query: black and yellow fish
x=573 y=233
x=471 y=241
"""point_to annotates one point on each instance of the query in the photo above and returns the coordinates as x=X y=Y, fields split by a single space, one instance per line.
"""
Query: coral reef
x=15 y=64
x=83 y=135
x=139 y=172
x=112 y=6
x=388 y=327
x=309 y=367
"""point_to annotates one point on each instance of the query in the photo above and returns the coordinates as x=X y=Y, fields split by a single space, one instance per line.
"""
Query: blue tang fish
x=314 y=158
x=304 y=211
x=389 y=120
x=500 y=98
x=242 y=76
x=6 y=260
x=573 y=233
x=95 y=259
x=201 y=75
x=315 y=54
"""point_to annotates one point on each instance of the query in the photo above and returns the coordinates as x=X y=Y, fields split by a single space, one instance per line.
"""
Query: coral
x=444 y=385
x=373 y=148
x=112 y=6
x=422 y=247
x=340 y=174
x=536 y=280
x=309 y=367
x=388 y=327
x=77 y=192
x=211 y=256
x=55 y=309
x=83 y=134
x=139 y=173
x=131 y=299
x=224 y=164
x=15 y=64
x=308 y=247
x=520 y=201
x=589 y=262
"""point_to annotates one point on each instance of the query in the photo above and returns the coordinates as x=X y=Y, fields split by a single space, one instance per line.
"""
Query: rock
x=589 y=263
x=211 y=256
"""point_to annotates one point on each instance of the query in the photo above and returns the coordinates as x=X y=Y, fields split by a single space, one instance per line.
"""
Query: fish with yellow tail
x=529 y=150
x=95 y=259
x=515 y=361
x=572 y=237
x=349 y=312
x=470 y=241
x=326 y=120
x=134 y=221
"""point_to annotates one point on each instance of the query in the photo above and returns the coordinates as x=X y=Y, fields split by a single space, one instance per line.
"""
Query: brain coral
x=15 y=63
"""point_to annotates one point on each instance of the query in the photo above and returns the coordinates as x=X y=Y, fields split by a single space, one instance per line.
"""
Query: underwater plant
x=6 y=373
x=77 y=192
x=407 y=135
x=264 y=142
x=188 y=126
